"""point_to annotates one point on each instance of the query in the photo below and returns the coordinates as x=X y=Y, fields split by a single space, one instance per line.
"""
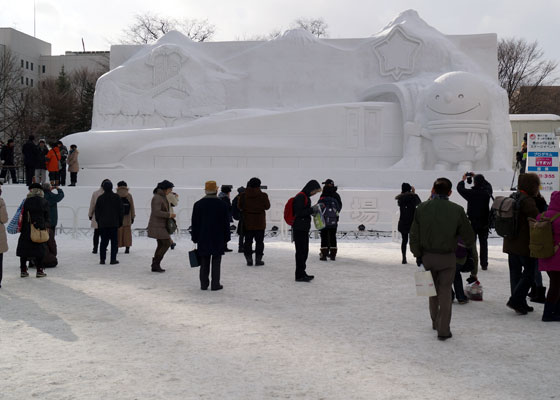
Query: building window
x=22 y=80
x=26 y=81
x=515 y=139
x=31 y=82
x=31 y=66
x=43 y=69
x=27 y=65
x=21 y=63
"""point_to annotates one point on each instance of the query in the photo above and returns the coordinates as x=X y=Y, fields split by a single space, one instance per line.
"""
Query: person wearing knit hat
x=109 y=214
x=210 y=231
x=158 y=223
x=237 y=216
x=407 y=201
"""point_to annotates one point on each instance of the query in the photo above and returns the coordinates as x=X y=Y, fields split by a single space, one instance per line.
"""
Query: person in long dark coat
x=210 y=231
x=302 y=225
x=109 y=216
x=35 y=211
x=407 y=201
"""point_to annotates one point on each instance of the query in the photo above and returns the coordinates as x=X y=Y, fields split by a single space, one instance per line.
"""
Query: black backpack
x=506 y=214
x=330 y=213
x=126 y=205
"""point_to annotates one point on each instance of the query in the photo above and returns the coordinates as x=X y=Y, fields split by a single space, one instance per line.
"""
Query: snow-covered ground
x=358 y=331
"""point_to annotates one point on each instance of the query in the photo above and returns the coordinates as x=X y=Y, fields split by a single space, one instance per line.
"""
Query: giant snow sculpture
x=408 y=98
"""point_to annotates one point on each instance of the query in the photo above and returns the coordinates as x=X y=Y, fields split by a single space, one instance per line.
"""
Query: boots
x=324 y=253
x=549 y=313
x=155 y=265
x=258 y=260
x=539 y=295
x=24 y=273
x=127 y=250
x=404 y=258
x=332 y=254
x=40 y=273
x=249 y=259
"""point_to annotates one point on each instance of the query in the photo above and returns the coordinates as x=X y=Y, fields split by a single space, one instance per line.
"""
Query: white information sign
x=542 y=158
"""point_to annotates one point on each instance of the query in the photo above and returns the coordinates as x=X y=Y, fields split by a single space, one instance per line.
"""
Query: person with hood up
x=73 y=164
x=3 y=236
x=303 y=210
x=210 y=231
x=157 y=225
x=91 y=215
x=253 y=204
x=407 y=201
x=109 y=216
x=236 y=215
x=129 y=213
x=521 y=265
x=35 y=211
x=551 y=265
x=50 y=260
x=328 y=233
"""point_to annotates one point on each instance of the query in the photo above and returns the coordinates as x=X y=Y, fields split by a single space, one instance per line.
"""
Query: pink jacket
x=553 y=263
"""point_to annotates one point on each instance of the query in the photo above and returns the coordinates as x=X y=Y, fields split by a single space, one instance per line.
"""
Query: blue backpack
x=330 y=211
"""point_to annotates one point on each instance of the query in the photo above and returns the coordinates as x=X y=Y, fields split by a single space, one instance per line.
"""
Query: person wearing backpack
x=407 y=201
x=330 y=210
x=478 y=211
x=551 y=265
x=435 y=229
x=129 y=213
x=521 y=264
x=302 y=211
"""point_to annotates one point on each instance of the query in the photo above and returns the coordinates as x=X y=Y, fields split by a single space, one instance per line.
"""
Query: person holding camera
x=407 y=201
x=478 y=210
x=253 y=204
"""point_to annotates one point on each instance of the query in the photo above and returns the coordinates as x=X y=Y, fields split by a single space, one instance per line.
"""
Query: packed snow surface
x=358 y=331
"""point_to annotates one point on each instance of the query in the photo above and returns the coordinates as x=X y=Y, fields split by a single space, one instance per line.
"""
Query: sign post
x=542 y=158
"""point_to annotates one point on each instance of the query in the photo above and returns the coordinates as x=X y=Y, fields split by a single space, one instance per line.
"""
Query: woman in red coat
x=53 y=164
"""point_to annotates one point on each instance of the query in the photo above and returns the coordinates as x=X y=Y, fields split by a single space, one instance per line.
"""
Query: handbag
x=319 y=220
x=193 y=258
x=171 y=225
x=14 y=225
x=424 y=283
x=37 y=235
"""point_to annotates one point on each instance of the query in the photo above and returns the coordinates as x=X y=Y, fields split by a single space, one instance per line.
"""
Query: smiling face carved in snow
x=457 y=96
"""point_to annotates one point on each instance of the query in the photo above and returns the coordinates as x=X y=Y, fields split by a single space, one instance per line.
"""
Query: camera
x=264 y=187
x=469 y=176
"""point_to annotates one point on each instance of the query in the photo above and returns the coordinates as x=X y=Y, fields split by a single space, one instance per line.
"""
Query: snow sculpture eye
x=460 y=96
x=437 y=96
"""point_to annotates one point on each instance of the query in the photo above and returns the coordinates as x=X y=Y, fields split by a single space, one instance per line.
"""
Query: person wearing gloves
x=302 y=225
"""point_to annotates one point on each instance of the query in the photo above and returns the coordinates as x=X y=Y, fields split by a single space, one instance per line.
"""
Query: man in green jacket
x=433 y=238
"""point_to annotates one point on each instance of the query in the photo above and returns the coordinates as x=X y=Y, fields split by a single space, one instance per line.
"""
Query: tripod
x=514 y=172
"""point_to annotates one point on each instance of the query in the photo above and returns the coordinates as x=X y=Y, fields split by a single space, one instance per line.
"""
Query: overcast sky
x=64 y=23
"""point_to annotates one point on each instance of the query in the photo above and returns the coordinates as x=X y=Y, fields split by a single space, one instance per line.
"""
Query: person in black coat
x=478 y=211
x=330 y=183
x=210 y=231
x=35 y=211
x=109 y=214
x=407 y=201
x=302 y=225
x=236 y=214
x=8 y=164
x=29 y=154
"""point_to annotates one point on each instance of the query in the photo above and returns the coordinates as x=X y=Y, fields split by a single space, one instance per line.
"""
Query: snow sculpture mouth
x=459 y=113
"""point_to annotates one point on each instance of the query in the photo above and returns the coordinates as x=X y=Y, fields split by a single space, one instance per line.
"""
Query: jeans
x=259 y=243
x=108 y=234
x=205 y=262
x=521 y=277
x=301 y=240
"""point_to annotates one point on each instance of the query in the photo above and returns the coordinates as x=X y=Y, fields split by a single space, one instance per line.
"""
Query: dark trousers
x=442 y=267
x=62 y=175
x=259 y=242
x=12 y=172
x=482 y=235
x=328 y=237
x=404 y=243
x=53 y=177
x=73 y=178
x=553 y=295
x=29 y=174
x=108 y=234
x=205 y=262
x=1 y=267
x=301 y=240
x=458 y=285
x=521 y=277
x=95 y=239
x=162 y=246
x=23 y=262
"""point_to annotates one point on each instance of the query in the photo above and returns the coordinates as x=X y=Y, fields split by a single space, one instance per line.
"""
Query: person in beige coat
x=125 y=231
x=73 y=165
x=91 y=214
x=3 y=238
x=157 y=225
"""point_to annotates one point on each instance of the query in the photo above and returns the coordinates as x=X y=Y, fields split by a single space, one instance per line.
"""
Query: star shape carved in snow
x=397 y=53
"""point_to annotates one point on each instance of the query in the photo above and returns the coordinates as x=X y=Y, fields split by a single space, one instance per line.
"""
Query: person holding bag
x=158 y=223
x=35 y=213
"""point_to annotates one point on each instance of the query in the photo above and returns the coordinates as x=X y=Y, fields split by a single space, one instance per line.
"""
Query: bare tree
x=316 y=26
x=149 y=27
x=273 y=34
x=522 y=64
x=10 y=89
